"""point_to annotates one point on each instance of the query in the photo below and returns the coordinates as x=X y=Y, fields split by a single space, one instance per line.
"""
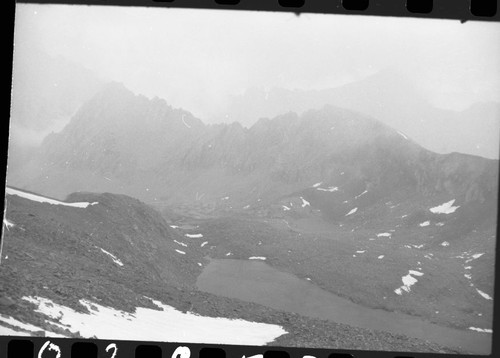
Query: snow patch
x=402 y=135
x=351 y=212
x=381 y=257
x=425 y=223
x=484 y=330
x=408 y=281
x=440 y=224
x=228 y=254
x=317 y=184
x=174 y=226
x=445 y=243
x=27 y=329
x=183 y=121
x=256 y=258
x=472 y=257
x=8 y=224
x=203 y=243
x=330 y=189
x=180 y=252
x=180 y=243
x=194 y=236
x=360 y=251
x=446 y=208
x=156 y=325
x=305 y=202
x=416 y=273
x=286 y=208
x=485 y=295
x=384 y=234
x=363 y=193
x=42 y=199
x=113 y=257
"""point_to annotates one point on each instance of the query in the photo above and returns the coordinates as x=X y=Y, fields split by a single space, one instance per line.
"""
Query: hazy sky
x=196 y=58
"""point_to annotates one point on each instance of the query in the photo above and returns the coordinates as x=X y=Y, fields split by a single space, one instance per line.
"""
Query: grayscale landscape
x=239 y=177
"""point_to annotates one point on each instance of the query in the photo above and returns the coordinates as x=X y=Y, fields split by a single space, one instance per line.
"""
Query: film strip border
x=39 y=347
x=43 y=347
x=464 y=10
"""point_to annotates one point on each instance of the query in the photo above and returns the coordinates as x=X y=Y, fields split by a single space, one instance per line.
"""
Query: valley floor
x=311 y=255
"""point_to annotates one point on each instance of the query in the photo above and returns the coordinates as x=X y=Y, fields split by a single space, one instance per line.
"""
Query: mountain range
x=328 y=190
x=126 y=143
x=390 y=97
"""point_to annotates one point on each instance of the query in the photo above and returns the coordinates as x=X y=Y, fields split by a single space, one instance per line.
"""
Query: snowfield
x=167 y=325
x=41 y=199
x=446 y=208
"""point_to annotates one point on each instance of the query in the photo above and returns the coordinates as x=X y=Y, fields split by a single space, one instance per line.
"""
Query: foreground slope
x=102 y=252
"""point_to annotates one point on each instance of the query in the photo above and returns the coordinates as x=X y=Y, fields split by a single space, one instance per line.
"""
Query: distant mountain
x=124 y=143
x=47 y=89
x=46 y=92
x=394 y=100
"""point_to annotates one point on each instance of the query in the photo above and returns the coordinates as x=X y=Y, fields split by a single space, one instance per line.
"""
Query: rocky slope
x=114 y=252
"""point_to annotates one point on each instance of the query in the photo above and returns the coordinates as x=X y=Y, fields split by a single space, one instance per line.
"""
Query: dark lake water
x=256 y=281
